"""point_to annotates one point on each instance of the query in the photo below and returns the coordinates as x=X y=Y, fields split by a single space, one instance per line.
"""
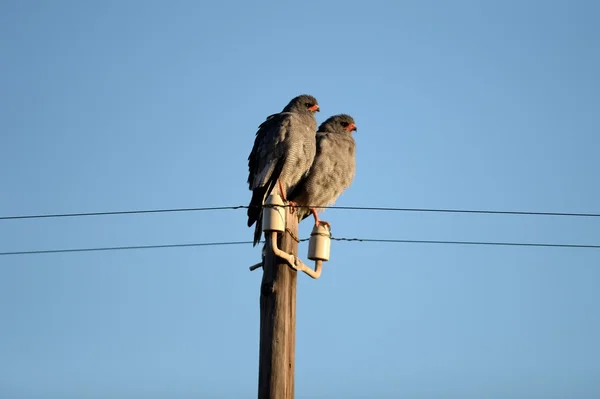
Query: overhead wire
x=131 y=212
x=364 y=240
x=367 y=240
x=357 y=208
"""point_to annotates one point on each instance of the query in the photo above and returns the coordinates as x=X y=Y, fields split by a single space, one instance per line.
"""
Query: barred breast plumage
x=333 y=168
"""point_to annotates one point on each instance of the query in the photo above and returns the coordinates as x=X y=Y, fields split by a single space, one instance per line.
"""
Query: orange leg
x=281 y=192
x=319 y=222
x=292 y=204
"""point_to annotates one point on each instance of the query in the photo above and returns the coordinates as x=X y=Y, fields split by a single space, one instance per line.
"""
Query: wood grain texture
x=278 y=320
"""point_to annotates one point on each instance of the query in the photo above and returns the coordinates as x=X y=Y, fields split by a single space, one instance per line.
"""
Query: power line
x=488 y=212
x=357 y=208
x=508 y=244
x=132 y=212
x=365 y=240
x=57 y=251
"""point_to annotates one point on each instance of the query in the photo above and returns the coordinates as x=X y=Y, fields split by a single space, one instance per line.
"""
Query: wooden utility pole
x=278 y=318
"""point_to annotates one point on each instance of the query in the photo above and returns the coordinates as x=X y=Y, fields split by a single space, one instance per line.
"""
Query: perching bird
x=332 y=170
x=283 y=151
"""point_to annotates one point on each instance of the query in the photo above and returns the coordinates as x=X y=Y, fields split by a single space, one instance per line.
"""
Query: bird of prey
x=283 y=151
x=332 y=170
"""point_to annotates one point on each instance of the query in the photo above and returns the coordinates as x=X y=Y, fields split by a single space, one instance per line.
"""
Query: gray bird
x=332 y=170
x=283 y=151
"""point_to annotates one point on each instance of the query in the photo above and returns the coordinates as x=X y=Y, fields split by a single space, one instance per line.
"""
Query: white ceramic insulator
x=319 y=245
x=273 y=214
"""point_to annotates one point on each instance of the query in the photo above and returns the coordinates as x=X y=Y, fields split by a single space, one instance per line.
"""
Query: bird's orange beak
x=351 y=127
x=314 y=108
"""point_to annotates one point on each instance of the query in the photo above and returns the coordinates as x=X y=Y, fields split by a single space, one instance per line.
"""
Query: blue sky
x=141 y=105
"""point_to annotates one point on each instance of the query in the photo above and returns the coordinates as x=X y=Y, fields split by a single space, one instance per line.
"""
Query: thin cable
x=57 y=251
x=366 y=240
x=354 y=208
x=511 y=244
x=64 y=215
x=489 y=212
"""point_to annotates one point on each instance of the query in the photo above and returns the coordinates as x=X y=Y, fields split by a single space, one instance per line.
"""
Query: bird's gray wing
x=266 y=161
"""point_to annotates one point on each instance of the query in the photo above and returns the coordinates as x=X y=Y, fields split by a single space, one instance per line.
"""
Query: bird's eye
x=344 y=124
x=308 y=105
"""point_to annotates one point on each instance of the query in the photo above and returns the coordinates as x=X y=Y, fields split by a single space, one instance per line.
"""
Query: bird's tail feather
x=259 y=195
x=255 y=207
x=257 y=230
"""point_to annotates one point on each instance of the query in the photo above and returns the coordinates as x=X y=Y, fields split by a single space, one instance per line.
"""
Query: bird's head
x=341 y=123
x=303 y=103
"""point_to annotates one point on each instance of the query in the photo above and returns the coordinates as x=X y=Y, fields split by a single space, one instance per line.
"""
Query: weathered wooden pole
x=278 y=318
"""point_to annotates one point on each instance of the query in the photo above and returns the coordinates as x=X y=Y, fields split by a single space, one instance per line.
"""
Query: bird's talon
x=323 y=223
x=292 y=206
